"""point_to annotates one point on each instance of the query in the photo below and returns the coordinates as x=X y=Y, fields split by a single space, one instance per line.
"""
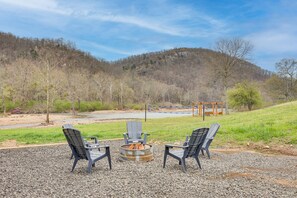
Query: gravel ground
x=45 y=172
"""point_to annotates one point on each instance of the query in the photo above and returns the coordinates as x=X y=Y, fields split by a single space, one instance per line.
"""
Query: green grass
x=277 y=124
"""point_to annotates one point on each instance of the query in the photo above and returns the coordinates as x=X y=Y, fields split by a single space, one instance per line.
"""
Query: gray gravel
x=45 y=172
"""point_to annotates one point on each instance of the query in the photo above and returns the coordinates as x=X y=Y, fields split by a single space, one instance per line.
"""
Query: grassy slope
x=276 y=124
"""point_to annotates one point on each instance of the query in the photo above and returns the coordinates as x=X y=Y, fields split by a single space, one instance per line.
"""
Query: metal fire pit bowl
x=143 y=155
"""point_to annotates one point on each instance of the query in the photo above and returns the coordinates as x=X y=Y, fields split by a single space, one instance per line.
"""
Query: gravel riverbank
x=45 y=172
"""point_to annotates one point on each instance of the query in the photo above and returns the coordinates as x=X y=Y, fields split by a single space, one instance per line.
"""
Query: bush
x=135 y=106
x=61 y=106
x=9 y=105
x=107 y=107
x=30 y=104
x=85 y=106
x=244 y=95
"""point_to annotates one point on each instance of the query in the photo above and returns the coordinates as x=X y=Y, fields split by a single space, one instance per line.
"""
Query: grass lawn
x=273 y=125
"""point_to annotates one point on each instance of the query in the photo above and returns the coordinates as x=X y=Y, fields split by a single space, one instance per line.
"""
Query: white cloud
x=271 y=45
x=39 y=5
x=274 y=41
x=158 y=20
x=109 y=49
x=139 y=22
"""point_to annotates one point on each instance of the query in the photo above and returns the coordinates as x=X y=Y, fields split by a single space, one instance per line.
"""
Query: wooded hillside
x=30 y=67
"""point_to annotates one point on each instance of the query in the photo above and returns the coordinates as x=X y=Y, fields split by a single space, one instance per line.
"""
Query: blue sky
x=114 y=29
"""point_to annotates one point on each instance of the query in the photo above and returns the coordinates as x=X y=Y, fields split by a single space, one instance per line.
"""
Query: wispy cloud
x=111 y=49
x=179 y=21
x=170 y=23
x=37 y=5
x=139 y=22
x=274 y=41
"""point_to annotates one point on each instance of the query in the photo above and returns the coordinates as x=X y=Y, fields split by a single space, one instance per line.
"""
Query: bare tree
x=49 y=62
x=48 y=65
x=2 y=86
x=287 y=69
x=232 y=52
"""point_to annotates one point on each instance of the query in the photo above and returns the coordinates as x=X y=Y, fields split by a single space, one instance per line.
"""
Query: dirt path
x=38 y=120
x=15 y=119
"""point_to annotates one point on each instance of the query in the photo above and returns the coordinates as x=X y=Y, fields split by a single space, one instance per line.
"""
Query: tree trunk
x=121 y=95
x=110 y=93
x=47 y=92
x=73 y=108
x=3 y=102
x=78 y=101
x=226 y=101
x=250 y=107
x=287 y=91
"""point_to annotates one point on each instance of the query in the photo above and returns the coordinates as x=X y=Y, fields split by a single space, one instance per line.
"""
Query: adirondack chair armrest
x=103 y=146
x=93 y=138
x=210 y=138
x=94 y=146
x=145 y=135
x=186 y=141
x=125 y=135
x=175 y=146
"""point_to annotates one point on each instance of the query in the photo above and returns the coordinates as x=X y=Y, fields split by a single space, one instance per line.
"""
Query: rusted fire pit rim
x=126 y=147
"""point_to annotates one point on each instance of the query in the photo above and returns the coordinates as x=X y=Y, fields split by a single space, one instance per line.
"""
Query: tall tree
x=287 y=69
x=49 y=62
x=231 y=52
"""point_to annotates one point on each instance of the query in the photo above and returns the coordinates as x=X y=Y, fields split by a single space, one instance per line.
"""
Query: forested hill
x=187 y=67
x=13 y=48
x=172 y=76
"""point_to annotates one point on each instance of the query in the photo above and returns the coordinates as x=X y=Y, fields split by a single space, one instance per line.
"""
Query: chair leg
x=144 y=138
x=208 y=154
x=183 y=163
x=202 y=151
x=90 y=164
x=165 y=157
x=107 y=151
x=71 y=156
x=109 y=161
x=74 y=164
x=197 y=160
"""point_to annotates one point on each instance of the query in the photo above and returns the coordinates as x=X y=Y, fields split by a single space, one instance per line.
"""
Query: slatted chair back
x=134 y=129
x=76 y=142
x=195 y=143
x=67 y=126
x=211 y=134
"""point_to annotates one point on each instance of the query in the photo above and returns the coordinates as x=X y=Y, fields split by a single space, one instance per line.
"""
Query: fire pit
x=137 y=152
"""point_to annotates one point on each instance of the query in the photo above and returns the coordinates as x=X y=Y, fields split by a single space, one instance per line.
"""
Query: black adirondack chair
x=134 y=133
x=210 y=136
x=70 y=126
x=192 y=148
x=80 y=150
